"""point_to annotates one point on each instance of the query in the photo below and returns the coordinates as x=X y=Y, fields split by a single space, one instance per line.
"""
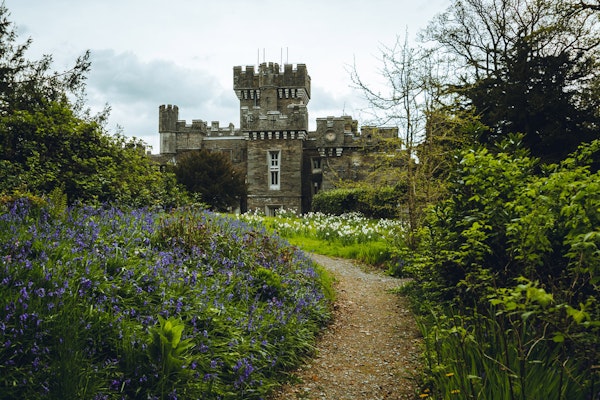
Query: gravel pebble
x=370 y=350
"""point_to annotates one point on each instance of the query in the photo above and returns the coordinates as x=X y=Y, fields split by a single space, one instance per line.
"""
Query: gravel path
x=370 y=351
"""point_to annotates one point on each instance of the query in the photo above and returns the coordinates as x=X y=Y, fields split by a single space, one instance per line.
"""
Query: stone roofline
x=271 y=67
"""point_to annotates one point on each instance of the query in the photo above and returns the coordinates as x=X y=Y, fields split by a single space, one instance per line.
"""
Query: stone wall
x=272 y=99
x=289 y=194
x=274 y=117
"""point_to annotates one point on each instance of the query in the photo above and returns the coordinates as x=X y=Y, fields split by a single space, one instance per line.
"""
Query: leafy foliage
x=52 y=148
x=502 y=353
x=111 y=303
x=510 y=265
x=381 y=202
x=470 y=227
x=526 y=67
x=170 y=353
x=49 y=143
x=213 y=177
x=27 y=85
x=503 y=221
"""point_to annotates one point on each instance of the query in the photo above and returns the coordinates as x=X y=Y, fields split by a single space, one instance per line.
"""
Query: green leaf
x=526 y=315
x=558 y=337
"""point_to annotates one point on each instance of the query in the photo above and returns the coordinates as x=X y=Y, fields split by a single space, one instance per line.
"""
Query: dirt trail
x=370 y=351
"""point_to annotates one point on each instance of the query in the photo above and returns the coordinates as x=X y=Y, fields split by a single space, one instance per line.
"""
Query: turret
x=167 y=127
x=272 y=98
x=167 y=118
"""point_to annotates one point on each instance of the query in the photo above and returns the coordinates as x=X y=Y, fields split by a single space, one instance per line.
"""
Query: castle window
x=274 y=169
x=316 y=165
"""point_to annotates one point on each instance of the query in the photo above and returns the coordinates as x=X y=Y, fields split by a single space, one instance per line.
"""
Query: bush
x=52 y=148
x=504 y=222
x=212 y=177
x=515 y=254
x=381 y=202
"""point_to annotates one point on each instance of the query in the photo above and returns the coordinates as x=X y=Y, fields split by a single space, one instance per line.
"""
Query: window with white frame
x=274 y=169
x=316 y=165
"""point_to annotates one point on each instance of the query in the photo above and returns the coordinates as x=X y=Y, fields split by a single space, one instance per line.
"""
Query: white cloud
x=134 y=89
x=151 y=52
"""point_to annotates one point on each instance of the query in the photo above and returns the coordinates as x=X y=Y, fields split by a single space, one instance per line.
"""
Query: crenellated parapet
x=291 y=82
x=177 y=135
x=336 y=132
x=168 y=115
x=270 y=74
x=245 y=78
x=272 y=97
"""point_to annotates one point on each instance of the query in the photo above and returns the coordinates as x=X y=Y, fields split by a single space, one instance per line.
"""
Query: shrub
x=506 y=241
x=211 y=176
x=381 y=202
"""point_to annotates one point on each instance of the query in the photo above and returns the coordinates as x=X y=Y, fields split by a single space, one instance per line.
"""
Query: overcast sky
x=147 y=52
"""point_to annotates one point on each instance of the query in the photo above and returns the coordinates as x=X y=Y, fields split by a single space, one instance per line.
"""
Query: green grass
x=373 y=253
x=350 y=236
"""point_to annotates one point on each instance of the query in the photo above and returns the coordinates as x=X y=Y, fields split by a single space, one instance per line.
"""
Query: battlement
x=388 y=132
x=167 y=118
x=270 y=74
x=169 y=108
x=345 y=124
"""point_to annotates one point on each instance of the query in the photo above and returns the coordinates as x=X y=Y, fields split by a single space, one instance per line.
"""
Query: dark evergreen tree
x=527 y=67
x=540 y=97
x=213 y=177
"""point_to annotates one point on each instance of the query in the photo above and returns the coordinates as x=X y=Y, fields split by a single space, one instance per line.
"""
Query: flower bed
x=104 y=303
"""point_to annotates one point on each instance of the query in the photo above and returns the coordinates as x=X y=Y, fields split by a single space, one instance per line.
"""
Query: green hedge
x=381 y=202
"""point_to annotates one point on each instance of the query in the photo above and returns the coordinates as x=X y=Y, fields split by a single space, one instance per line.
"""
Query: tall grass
x=508 y=351
x=488 y=360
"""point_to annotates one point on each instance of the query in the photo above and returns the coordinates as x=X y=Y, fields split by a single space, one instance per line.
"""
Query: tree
x=526 y=66
x=25 y=84
x=588 y=5
x=52 y=148
x=413 y=99
x=45 y=145
x=212 y=176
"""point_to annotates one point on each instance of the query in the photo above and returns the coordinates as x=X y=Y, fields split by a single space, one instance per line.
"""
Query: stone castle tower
x=271 y=98
x=167 y=126
x=285 y=164
x=274 y=118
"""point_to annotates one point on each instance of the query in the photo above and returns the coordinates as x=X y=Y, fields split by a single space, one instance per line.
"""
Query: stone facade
x=285 y=164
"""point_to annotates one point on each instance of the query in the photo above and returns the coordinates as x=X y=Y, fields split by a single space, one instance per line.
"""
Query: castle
x=285 y=164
